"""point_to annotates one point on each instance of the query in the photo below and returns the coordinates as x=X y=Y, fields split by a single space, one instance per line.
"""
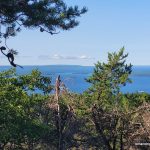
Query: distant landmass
x=74 y=76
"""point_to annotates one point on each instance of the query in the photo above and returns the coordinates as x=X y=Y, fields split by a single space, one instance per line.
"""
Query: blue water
x=74 y=76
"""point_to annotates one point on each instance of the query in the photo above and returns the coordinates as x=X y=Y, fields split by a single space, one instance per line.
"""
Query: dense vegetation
x=101 y=118
x=34 y=117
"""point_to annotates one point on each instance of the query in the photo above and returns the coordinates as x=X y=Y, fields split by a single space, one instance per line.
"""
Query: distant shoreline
x=68 y=65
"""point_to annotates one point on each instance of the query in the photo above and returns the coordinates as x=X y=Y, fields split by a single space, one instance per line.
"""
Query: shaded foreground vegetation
x=102 y=118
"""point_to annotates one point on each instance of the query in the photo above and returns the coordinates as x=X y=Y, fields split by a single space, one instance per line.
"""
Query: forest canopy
x=100 y=118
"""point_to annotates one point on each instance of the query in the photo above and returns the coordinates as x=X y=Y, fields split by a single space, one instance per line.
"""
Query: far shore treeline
x=100 y=118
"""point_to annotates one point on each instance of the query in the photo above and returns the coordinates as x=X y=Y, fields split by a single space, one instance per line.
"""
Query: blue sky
x=108 y=26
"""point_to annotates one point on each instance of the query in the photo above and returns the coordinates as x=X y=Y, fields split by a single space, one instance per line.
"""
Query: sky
x=106 y=27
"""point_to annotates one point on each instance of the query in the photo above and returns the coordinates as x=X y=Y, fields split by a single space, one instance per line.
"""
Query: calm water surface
x=74 y=76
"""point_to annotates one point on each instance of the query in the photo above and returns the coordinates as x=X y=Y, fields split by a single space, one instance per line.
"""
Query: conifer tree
x=108 y=78
x=46 y=15
x=110 y=108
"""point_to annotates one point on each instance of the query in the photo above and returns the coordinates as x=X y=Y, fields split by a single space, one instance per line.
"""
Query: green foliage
x=48 y=15
x=115 y=115
x=108 y=78
x=137 y=99
x=20 y=110
x=101 y=118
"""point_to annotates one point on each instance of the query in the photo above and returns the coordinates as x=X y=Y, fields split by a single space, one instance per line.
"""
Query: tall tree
x=108 y=112
x=108 y=78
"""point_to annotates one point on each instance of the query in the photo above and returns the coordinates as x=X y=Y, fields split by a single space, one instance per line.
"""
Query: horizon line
x=66 y=65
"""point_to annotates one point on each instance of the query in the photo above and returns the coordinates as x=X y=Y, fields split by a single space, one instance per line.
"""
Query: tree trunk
x=100 y=130
x=57 y=92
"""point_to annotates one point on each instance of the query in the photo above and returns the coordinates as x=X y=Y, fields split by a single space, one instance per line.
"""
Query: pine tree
x=46 y=15
x=109 y=111
x=108 y=78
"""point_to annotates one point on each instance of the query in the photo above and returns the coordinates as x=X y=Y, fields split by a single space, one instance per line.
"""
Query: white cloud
x=85 y=57
x=59 y=57
x=56 y=56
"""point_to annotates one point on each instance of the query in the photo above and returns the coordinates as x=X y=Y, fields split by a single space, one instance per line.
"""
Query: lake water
x=74 y=76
